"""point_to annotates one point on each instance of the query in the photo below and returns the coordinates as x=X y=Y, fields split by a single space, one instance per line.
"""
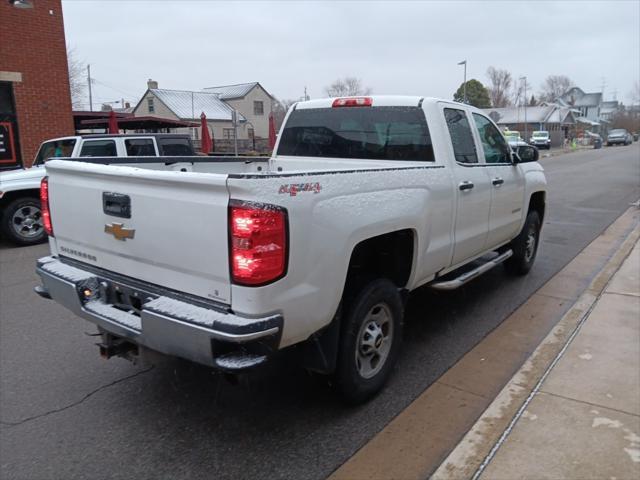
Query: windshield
x=617 y=132
x=54 y=148
x=540 y=134
x=376 y=133
x=512 y=135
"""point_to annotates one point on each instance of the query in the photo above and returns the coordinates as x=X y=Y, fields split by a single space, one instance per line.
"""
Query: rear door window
x=140 y=147
x=98 y=148
x=376 y=133
x=175 y=147
x=464 y=147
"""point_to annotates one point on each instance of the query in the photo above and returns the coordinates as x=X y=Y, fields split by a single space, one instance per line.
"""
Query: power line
x=100 y=82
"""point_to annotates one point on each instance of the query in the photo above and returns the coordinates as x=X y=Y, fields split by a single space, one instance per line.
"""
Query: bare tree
x=554 y=86
x=635 y=93
x=279 y=109
x=77 y=79
x=500 y=82
x=348 y=86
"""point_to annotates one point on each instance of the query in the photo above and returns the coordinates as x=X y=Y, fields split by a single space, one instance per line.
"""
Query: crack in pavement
x=77 y=402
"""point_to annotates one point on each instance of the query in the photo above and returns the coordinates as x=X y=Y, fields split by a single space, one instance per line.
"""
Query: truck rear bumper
x=145 y=315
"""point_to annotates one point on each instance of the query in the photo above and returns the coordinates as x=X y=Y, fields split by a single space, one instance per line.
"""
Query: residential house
x=250 y=101
x=609 y=109
x=558 y=121
x=588 y=107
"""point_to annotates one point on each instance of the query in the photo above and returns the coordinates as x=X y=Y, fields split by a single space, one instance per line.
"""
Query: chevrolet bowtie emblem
x=120 y=233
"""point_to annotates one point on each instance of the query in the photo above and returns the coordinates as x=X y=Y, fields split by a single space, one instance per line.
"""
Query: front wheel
x=370 y=340
x=525 y=246
x=21 y=221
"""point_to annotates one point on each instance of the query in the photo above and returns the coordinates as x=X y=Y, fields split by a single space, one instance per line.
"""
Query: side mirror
x=525 y=154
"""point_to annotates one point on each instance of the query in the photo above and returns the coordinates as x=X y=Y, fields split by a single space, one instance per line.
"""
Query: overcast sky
x=394 y=47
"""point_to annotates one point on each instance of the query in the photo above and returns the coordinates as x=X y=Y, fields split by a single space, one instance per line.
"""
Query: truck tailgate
x=175 y=235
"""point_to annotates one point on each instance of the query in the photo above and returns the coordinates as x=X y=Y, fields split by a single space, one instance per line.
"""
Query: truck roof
x=377 y=101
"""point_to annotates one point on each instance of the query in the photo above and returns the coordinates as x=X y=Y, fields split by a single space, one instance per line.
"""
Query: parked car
x=364 y=200
x=512 y=136
x=20 y=215
x=540 y=139
x=619 y=136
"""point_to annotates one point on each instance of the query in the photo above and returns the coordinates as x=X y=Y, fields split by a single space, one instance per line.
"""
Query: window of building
x=140 y=147
x=258 y=108
x=9 y=148
x=98 y=148
x=227 y=133
x=496 y=149
x=464 y=148
x=150 y=105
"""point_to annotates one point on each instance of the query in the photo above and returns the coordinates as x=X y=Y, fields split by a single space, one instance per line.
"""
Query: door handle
x=466 y=185
x=497 y=181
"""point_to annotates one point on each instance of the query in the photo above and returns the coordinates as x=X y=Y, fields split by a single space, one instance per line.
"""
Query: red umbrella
x=272 y=132
x=113 y=122
x=207 y=142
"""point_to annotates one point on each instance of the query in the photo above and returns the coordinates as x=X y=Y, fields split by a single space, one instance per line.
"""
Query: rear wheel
x=370 y=340
x=525 y=246
x=21 y=221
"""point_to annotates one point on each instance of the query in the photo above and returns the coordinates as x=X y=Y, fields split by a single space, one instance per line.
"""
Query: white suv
x=20 y=216
x=540 y=139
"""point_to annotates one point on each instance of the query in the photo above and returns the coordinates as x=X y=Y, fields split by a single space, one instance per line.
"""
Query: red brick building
x=35 y=102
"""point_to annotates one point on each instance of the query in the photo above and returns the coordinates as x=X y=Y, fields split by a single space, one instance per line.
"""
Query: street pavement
x=66 y=413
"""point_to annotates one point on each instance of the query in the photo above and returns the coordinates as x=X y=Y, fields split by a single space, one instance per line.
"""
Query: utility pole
x=525 y=107
x=464 y=83
x=306 y=97
x=234 y=119
x=89 y=81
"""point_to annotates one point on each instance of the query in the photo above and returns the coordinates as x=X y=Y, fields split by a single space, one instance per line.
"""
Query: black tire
x=524 y=253
x=21 y=221
x=361 y=332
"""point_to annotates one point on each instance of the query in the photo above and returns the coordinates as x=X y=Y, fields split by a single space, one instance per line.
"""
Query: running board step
x=468 y=276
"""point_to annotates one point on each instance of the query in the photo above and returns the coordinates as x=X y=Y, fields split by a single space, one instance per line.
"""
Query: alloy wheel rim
x=374 y=341
x=530 y=247
x=27 y=222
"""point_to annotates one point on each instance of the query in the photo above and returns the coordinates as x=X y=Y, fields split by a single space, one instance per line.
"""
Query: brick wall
x=32 y=42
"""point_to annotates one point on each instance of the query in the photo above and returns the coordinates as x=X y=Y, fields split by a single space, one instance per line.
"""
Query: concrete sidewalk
x=583 y=422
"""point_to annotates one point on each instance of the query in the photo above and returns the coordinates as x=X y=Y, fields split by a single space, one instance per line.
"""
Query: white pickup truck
x=226 y=262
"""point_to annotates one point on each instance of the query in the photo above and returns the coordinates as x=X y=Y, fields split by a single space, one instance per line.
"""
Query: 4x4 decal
x=294 y=188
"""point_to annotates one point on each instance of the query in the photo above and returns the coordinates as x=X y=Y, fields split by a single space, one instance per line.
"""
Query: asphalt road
x=66 y=413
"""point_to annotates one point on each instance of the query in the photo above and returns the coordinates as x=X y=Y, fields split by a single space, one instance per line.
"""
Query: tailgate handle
x=116 y=204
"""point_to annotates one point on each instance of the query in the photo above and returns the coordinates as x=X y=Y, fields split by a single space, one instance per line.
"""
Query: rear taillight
x=353 y=102
x=258 y=243
x=44 y=206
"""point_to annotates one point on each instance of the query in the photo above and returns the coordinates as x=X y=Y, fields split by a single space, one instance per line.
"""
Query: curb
x=476 y=449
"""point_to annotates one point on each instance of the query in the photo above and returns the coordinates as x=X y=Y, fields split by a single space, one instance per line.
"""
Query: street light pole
x=525 y=107
x=89 y=82
x=464 y=84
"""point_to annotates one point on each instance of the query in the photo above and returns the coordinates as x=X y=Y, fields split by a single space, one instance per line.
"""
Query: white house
x=250 y=100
